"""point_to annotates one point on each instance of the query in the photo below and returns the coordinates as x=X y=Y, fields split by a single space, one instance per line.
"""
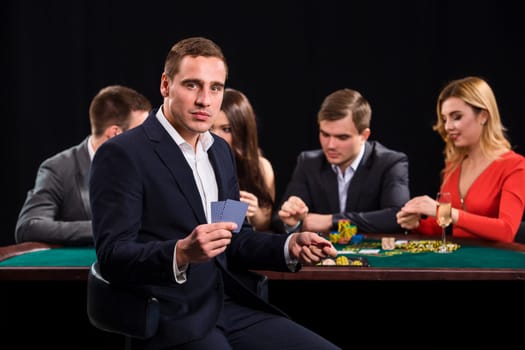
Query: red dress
x=494 y=204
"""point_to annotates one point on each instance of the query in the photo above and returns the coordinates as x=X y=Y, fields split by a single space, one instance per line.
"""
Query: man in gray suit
x=349 y=178
x=57 y=209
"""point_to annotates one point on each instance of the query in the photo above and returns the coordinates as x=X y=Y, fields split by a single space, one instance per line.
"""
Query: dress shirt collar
x=205 y=139
x=355 y=163
x=90 y=148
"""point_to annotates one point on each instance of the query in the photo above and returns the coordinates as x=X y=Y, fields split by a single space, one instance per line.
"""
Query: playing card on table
x=229 y=210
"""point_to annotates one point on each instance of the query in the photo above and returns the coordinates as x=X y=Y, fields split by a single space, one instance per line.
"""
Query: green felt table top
x=464 y=257
x=77 y=256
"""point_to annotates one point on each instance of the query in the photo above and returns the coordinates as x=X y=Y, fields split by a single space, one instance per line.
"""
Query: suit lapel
x=218 y=161
x=82 y=176
x=174 y=160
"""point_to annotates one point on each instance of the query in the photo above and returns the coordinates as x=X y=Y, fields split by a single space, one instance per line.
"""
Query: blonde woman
x=483 y=174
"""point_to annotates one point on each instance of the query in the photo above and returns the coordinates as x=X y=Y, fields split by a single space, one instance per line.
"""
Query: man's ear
x=112 y=131
x=164 y=85
x=366 y=134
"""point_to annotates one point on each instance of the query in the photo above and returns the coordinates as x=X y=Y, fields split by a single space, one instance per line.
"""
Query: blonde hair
x=477 y=93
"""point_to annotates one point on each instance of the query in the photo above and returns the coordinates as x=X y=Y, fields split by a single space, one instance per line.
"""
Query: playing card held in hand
x=229 y=210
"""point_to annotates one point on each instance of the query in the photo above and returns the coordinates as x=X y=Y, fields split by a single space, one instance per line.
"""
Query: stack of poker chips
x=345 y=232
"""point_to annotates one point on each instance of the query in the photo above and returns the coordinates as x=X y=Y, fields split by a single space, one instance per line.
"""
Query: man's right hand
x=204 y=242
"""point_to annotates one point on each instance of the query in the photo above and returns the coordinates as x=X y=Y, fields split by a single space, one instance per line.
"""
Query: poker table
x=473 y=295
x=397 y=298
x=473 y=260
x=41 y=261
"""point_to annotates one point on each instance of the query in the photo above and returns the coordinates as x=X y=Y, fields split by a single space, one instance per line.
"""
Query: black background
x=285 y=55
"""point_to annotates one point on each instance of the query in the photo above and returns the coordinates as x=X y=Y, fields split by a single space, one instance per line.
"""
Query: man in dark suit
x=349 y=178
x=151 y=191
x=56 y=209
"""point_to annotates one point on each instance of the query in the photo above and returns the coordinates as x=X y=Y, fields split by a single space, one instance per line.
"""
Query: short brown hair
x=113 y=105
x=338 y=104
x=196 y=46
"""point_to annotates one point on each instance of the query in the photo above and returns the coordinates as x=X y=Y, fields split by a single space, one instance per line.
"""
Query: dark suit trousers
x=244 y=328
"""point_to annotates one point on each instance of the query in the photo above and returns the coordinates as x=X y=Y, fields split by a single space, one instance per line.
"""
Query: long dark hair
x=245 y=145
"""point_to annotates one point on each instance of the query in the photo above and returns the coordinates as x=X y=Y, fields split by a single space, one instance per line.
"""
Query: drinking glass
x=443 y=217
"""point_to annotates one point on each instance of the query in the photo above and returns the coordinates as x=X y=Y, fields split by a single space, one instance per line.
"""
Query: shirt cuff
x=292 y=263
x=290 y=229
x=178 y=272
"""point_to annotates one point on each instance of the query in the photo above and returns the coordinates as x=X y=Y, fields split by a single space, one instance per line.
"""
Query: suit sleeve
x=394 y=194
x=297 y=187
x=40 y=217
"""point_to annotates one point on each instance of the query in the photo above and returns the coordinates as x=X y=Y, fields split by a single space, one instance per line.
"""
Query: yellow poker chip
x=343 y=260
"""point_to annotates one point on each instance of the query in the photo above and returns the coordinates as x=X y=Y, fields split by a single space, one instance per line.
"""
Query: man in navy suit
x=349 y=178
x=151 y=191
x=56 y=209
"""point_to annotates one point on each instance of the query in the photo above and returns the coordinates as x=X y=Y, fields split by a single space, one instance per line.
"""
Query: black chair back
x=119 y=310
